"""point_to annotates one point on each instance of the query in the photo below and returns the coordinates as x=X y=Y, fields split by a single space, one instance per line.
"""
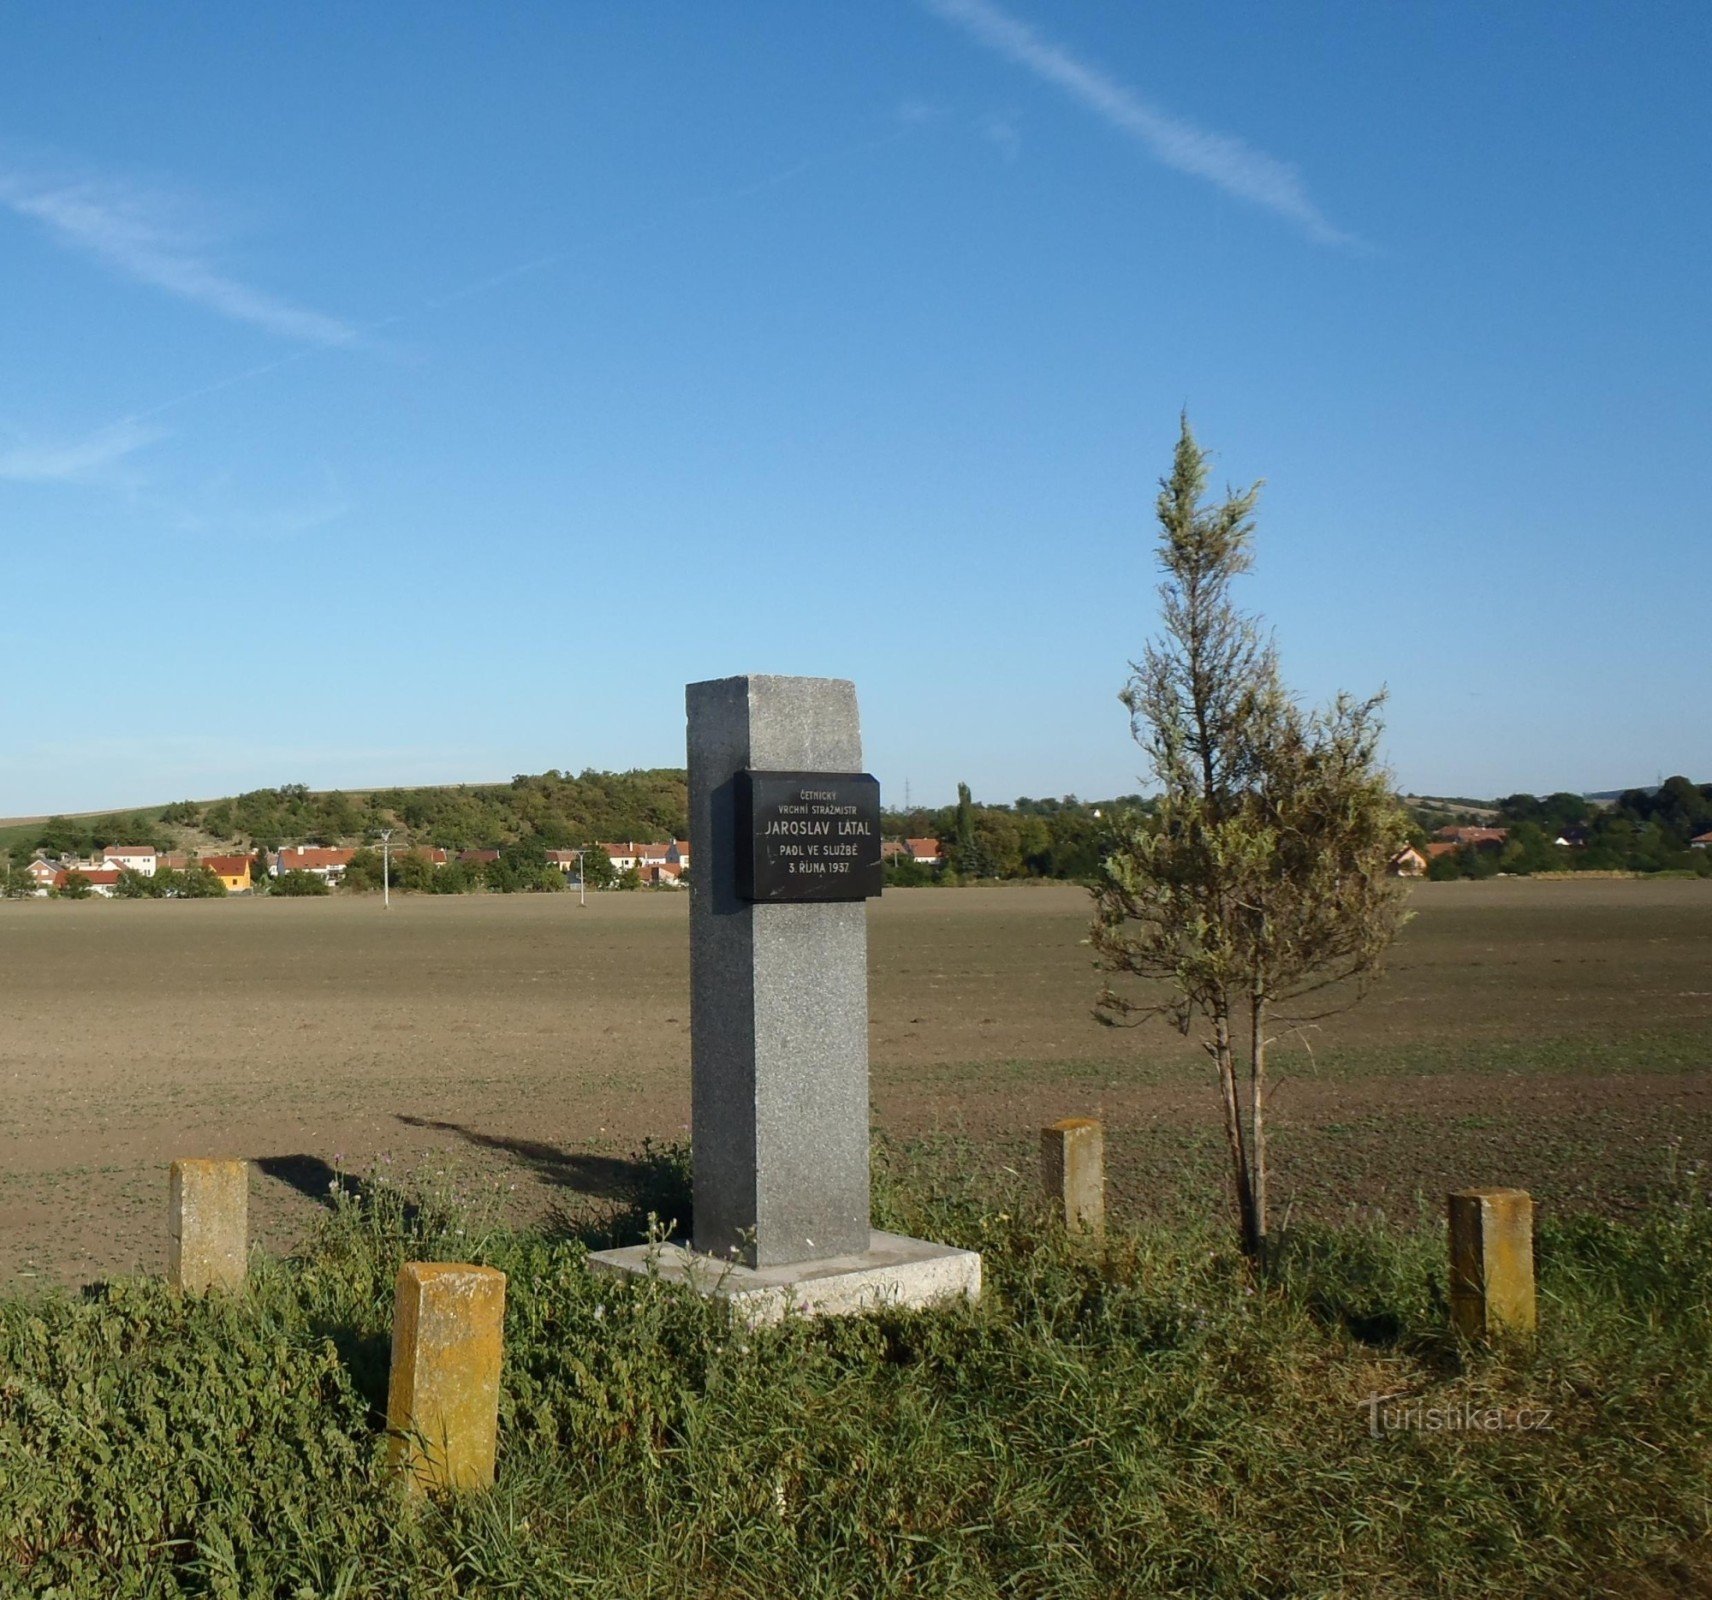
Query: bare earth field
x=1553 y=1035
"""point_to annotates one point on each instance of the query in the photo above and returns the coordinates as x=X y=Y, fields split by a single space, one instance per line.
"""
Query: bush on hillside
x=298 y=882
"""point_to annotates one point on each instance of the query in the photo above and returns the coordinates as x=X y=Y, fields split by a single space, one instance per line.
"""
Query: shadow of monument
x=321 y=1182
x=629 y=1195
x=309 y=1176
x=602 y=1177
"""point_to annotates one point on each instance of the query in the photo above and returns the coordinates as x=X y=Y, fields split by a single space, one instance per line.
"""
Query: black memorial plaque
x=808 y=836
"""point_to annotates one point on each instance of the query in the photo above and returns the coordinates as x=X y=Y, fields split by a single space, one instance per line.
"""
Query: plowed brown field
x=1556 y=1035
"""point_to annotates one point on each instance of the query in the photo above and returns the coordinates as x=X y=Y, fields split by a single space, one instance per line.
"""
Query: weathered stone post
x=1492 y=1263
x=784 y=849
x=442 y=1404
x=208 y=1214
x=1073 y=1173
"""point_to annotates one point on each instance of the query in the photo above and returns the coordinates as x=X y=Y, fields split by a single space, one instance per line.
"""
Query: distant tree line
x=194 y=882
x=1047 y=838
x=1065 y=839
x=1641 y=831
x=522 y=867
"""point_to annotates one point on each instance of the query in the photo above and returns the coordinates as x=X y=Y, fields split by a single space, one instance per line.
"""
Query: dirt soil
x=1554 y=1035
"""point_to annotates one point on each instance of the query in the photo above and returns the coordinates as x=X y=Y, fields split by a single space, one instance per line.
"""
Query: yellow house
x=232 y=871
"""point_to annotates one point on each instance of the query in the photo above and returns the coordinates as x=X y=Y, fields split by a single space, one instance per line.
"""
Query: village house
x=1480 y=838
x=43 y=875
x=102 y=881
x=139 y=858
x=1701 y=841
x=232 y=871
x=325 y=862
x=1408 y=863
x=674 y=854
x=478 y=858
x=925 y=852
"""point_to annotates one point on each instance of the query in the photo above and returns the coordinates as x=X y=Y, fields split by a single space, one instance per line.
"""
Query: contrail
x=133 y=232
x=1218 y=158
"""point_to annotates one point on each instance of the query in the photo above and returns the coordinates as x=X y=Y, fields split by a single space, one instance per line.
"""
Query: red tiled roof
x=304 y=858
x=227 y=866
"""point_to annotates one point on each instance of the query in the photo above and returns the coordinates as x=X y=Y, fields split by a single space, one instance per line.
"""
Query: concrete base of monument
x=892 y=1272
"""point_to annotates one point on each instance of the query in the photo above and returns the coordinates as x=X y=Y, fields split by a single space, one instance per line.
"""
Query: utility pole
x=582 y=882
x=386 y=869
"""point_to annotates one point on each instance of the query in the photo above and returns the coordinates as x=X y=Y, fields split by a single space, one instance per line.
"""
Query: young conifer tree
x=1258 y=882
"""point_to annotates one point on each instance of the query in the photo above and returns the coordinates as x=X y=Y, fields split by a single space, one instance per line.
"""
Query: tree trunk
x=1257 y=1087
x=1242 y=1183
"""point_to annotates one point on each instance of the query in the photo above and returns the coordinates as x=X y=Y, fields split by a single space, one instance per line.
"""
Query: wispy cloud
x=1002 y=133
x=913 y=113
x=73 y=461
x=1218 y=158
x=140 y=234
x=223 y=508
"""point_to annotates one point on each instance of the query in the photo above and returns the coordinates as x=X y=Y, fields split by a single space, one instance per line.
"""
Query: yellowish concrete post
x=442 y=1410
x=209 y=1216
x=1073 y=1172
x=1492 y=1263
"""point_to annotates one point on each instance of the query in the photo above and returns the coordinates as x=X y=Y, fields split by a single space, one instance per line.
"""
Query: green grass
x=1133 y=1418
x=1583 y=1055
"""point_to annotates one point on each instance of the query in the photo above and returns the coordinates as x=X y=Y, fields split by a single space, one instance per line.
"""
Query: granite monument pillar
x=784 y=853
x=778 y=989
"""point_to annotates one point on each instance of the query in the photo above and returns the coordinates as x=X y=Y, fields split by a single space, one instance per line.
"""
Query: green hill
x=553 y=808
x=556 y=811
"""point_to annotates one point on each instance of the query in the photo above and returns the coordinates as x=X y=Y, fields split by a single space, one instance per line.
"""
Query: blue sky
x=395 y=394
